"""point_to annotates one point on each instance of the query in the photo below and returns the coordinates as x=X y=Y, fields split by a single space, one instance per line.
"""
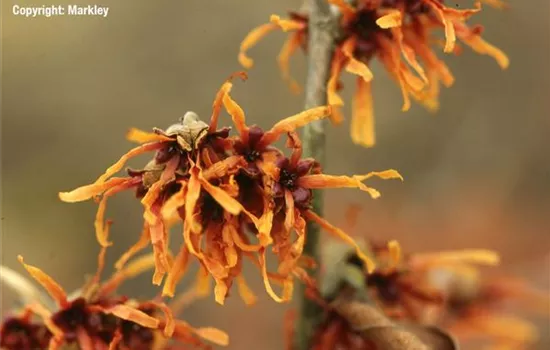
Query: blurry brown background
x=477 y=174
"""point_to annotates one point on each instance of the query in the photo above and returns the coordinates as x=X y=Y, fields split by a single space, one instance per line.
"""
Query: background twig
x=322 y=26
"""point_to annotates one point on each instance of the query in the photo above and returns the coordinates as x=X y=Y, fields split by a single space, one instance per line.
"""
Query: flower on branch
x=236 y=196
x=400 y=34
x=96 y=318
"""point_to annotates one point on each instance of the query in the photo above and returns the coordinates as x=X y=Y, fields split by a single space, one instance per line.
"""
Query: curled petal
x=353 y=65
x=218 y=101
x=286 y=24
x=86 y=192
x=228 y=203
x=129 y=313
x=318 y=181
x=48 y=283
x=191 y=199
x=290 y=260
x=238 y=117
x=242 y=244
x=285 y=298
x=289 y=214
x=336 y=232
x=140 y=136
x=101 y=230
x=168 y=175
x=175 y=274
x=229 y=165
x=362 y=121
x=26 y=291
x=169 y=318
x=250 y=41
x=292 y=123
x=482 y=47
x=448 y=16
x=450 y=36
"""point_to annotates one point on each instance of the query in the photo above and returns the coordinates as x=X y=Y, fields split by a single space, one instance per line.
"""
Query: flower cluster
x=400 y=35
x=475 y=306
x=443 y=289
x=236 y=196
x=96 y=318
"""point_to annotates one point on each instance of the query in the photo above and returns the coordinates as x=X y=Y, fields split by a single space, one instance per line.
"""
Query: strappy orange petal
x=293 y=122
x=338 y=233
x=392 y=19
x=86 y=192
x=290 y=260
x=218 y=101
x=49 y=284
x=100 y=229
x=286 y=24
x=251 y=40
x=482 y=47
x=169 y=320
x=318 y=181
x=191 y=199
x=213 y=335
x=333 y=97
x=179 y=268
x=224 y=167
x=129 y=313
x=140 y=136
x=262 y=262
x=353 y=65
x=170 y=208
x=289 y=211
x=362 y=120
x=237 y=115
x=394 y=249
x=242 y=244
x=467 y=256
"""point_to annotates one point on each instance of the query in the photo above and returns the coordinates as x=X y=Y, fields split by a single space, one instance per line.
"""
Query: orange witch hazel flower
x=475 y=304
x=95 y=318
x=222 y=188
x=400 y=34
x=402 y=285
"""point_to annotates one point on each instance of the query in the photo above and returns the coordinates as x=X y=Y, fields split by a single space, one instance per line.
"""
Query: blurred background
x=477 y=173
